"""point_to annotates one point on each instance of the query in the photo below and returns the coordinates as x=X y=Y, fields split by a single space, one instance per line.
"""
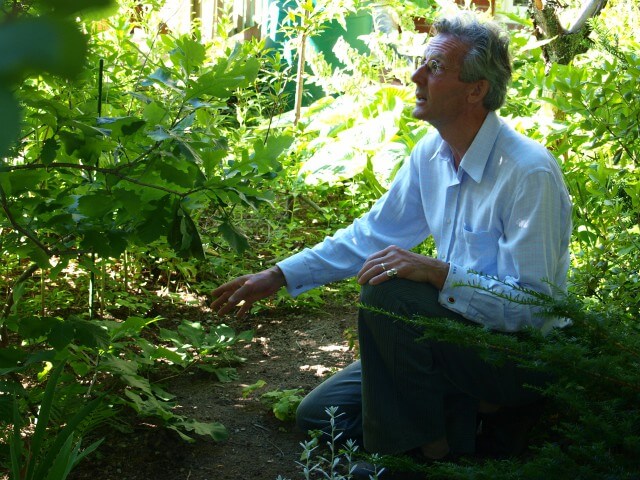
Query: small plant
x=283 y=403
x=335 y=463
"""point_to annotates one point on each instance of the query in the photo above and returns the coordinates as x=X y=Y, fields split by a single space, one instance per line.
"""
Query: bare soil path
x=289 y=350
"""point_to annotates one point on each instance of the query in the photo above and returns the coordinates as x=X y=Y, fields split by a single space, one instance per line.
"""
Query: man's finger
x=222 y=298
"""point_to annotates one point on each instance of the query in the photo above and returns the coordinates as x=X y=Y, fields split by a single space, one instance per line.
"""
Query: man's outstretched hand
x=244 y=291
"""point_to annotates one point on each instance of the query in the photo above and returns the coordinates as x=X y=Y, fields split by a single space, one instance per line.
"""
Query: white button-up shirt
x=502 y=221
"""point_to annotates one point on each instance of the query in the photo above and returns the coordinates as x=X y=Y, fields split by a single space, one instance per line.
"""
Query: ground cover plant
x=141 y=167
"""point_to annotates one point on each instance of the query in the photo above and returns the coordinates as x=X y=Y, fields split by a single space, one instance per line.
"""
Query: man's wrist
x=439 y=274
x=279 y=274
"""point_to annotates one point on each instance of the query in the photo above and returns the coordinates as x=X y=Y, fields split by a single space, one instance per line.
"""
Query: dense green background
x=135 y=159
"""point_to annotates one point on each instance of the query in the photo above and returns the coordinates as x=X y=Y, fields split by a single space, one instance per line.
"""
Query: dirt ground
x=289 y=350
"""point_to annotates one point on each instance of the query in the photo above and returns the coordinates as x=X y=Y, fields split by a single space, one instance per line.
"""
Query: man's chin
x=418 y=113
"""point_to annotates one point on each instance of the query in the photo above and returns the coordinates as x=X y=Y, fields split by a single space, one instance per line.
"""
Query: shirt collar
x=476 y=158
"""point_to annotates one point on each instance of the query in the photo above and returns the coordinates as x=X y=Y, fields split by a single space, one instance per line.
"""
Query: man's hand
x=244 y=291
x=406 y=264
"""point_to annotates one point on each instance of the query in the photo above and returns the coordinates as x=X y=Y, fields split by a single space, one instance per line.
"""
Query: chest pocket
x=480 y=249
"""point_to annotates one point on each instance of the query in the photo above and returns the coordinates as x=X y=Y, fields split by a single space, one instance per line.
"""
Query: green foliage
x=117 y=160
x=50 y=454
x=30 y=43
x=366 y=135
x=283 y=403
x=602 y=166
x=136 y=162
x=593 y=427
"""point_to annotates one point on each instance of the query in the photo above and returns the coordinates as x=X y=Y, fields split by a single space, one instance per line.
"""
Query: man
x=500 y=214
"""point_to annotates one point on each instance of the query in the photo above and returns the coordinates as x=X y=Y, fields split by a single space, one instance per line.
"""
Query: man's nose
x=419 y=75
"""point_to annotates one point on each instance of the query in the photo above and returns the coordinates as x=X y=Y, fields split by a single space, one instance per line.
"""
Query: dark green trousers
x=404 y=393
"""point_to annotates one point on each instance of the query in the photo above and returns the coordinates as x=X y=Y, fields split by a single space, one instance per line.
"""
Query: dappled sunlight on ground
x=288 y=352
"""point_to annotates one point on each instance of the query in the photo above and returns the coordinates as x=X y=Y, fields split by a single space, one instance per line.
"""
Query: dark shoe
x=505 y=433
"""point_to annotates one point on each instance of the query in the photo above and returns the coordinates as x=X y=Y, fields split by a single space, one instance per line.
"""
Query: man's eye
x=434 y=67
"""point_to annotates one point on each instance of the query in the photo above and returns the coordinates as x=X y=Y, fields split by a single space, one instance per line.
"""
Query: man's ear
x=478 y=91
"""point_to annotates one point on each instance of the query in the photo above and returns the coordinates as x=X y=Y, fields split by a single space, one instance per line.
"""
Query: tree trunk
x=567 y=42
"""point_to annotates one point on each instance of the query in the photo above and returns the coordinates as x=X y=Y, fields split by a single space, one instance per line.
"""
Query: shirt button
x=448 y=221
x=451 y=300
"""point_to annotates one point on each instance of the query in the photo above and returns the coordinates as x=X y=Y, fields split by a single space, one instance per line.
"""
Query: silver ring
x=383 y=267
x=392 y=272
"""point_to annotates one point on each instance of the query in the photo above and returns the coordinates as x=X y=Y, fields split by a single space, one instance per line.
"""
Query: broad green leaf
x=171 y=336
x=50 y=149
x=6 y=408
x=130 y=200
x=80 y=368
x=192 y=332
x=266 y=156
x=19 y=181
x=14 y=359
x=245 y=336
x=41 y=44
x=170 y=355
x=61 y=335
x=108 y=244
x=177 y=172
x=184 y=124
x=249 y=389
x=131 y=326
x=189 y=53
x=161 y=75
x=33 y=327
x=95 y=205
x=233 y=237
x=158 y=134
x=211 y=161
x=183 y=234
x=89 y=334
x=156 y=221
x=11 y=359
x=121 y=126
x=138 y=382
x=215 y=430
x=61 y=265
x=221 y=82
x=36 y=255
x=9 y=120
x=154 y=113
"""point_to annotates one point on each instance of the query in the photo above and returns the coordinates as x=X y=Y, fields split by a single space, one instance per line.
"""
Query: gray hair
x=488 y=56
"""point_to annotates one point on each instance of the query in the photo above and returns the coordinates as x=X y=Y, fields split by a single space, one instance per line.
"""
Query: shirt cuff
x=455 y=294
x=297 y=274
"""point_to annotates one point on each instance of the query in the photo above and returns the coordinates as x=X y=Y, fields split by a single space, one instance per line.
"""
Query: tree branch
x=105 y=171
x=591 y=9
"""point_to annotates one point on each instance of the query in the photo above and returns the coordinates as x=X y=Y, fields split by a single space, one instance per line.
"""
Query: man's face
x=440 y=95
